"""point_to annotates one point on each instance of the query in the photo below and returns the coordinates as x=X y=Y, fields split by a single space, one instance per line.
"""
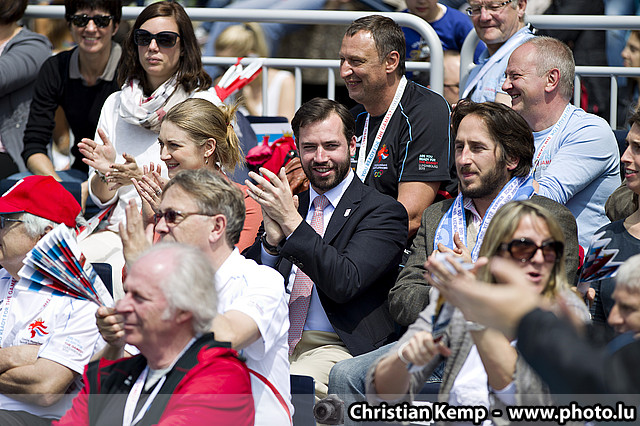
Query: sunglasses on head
x=4 y=220
x=101 y=21
x=163 y=38
x=174 y=217
x=523 y=249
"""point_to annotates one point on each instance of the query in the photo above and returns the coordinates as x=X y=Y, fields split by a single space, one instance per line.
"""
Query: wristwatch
x=269 y=248
x=101 y=175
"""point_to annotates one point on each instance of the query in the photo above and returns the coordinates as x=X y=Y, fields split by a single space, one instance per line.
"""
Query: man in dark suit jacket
x=350 y=259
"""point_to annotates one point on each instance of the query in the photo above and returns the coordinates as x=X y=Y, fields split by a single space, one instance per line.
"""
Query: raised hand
x=98 y=156
x=122 y=174
x=135 y=238
x=111 y=326
x=460 y=249
x=149 y=187
x=276 y=198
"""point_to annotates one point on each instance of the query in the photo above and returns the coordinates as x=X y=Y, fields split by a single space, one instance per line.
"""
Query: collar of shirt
x=469 y=205
x=109 y=72
x=333 y=195
x=229 y=269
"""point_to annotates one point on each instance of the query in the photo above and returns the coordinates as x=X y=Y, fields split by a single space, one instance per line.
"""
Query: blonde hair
x=202 y=120
x=243 y=40
x=501 y=229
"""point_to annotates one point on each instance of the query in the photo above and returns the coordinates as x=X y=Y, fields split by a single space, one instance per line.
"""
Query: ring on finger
x=158 y=192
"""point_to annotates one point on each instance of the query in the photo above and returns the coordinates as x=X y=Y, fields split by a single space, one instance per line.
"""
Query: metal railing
x=297 y=17
x=577 y=22
x=571 y=22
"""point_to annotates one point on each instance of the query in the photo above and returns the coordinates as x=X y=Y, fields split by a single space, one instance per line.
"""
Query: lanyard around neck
x=364 y=166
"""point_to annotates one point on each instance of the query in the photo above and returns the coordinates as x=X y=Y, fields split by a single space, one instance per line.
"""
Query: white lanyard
x=458 y=220
x=136 y=391
x=363 y=167
x=134 y=396
x=505 y=49
x=5 y=311
x=560 y=123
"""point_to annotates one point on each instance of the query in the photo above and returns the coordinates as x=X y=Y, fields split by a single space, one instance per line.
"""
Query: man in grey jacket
x=493 y=154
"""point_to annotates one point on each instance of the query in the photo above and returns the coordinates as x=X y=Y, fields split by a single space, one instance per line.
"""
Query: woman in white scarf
x=160 y=67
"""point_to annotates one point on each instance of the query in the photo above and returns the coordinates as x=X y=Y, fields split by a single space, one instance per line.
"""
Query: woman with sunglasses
x=22 y=52
x=483 y=367
x=160 y=68
x=197 y=134
x=73 y=85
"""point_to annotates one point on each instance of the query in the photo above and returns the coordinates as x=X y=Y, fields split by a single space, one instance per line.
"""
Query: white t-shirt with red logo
x=65 y=329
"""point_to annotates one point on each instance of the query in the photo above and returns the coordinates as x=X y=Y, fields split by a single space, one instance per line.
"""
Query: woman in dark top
x=622 y=235
x=78 y=80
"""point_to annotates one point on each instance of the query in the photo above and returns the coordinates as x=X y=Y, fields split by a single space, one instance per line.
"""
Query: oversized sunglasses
x=523 y=249
x=163 y=38
x=174 y=217
x=101 y=21
x=4 y=219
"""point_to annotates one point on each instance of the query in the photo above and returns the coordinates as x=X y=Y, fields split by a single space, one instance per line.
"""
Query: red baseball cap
x=41 y=196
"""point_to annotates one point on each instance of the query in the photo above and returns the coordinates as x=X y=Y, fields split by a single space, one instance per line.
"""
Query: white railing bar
x=303 y=63
x=265 y=89
x=331 y=84
x=613 y=102
x=290 y=16
x=297 y=72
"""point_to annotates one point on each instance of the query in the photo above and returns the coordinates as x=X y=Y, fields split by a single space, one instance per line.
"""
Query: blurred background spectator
x=22 y=52
x=248 y=40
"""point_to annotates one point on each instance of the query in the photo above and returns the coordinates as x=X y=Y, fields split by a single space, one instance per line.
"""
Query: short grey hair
x=36 y=226
x=552 y=53
x=214 y=194
x=189 y=286
x=628 y=276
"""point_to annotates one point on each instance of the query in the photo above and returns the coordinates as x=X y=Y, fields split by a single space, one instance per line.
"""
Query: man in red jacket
x=182 y=375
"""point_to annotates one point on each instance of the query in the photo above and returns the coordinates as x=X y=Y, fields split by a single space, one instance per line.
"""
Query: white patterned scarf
x=148 y=112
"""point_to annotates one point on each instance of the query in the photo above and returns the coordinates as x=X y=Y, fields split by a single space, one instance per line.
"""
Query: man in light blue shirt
x=577 y=160
x=500 y=25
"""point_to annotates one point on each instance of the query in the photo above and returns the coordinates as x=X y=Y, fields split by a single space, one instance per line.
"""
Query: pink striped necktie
x=302 y=285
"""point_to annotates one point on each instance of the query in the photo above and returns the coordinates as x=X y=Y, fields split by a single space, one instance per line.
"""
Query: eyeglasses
x=163 y=38
x=101 y=21
x=523 y=249
x=4 y=219
x=475 y=10
x=175 y=217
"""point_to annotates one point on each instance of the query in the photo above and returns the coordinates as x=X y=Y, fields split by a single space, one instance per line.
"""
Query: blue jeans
x=347 y=378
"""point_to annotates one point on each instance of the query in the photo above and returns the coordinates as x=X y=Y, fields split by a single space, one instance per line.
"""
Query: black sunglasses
x=101 y=21
x=174 y=217
x=523 y=249
x=4 y=219
x=163 y=38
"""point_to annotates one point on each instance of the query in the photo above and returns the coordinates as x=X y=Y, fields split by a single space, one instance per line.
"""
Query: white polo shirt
x=258 y=291
x=65 y=328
